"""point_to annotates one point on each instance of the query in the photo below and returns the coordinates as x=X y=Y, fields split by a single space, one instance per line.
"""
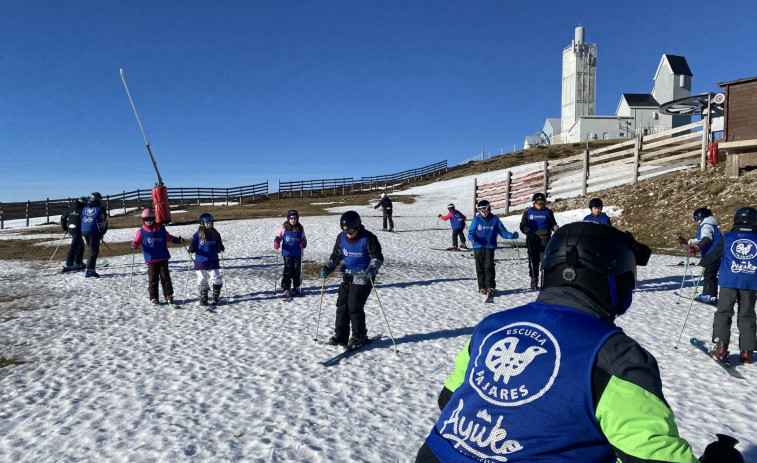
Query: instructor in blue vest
x=94 y=224
x=538 y=223
x=555 y=380
x=738 y=284
x=361 y=252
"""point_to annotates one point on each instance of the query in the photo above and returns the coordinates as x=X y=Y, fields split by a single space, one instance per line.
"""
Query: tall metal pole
x=123 y=78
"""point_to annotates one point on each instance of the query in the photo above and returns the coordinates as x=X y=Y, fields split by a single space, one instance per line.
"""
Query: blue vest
x=207 y=249
x=457 y=222
x=527 y=391
x=715 y=237
x=355 y=254
x=601 y=218
x=537 y=220
x=484 y=232
x=89 y=216
x=154 y=245
x=290 y=243
x=738 y=269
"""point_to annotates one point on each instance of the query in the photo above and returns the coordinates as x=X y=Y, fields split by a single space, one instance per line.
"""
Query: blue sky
x=236 y=92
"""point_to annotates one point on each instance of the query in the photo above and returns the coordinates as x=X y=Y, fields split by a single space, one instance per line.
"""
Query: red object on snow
x=712 y=153
x=160 y=200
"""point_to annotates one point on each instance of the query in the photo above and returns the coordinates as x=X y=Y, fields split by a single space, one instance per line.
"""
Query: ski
x=711 y=304
x=173 y=305
x=489 y=298
x=104 y=263
x=700 y=345
x=347 y=353
x=211 y=308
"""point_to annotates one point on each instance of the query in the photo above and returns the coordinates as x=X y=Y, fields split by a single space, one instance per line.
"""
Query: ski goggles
x=350 y=231
x=293 y=217
x=482 y=208
x=541 y=202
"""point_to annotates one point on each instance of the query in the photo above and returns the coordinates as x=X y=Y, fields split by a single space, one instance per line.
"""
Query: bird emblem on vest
x=505 y=363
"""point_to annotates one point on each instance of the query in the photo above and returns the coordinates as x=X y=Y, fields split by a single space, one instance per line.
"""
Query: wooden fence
x=133 y=199
x=626 y=162
x=343 y=186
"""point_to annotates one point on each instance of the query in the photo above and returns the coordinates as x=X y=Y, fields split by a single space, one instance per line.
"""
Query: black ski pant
x=93 y=243
x=535 y=248
x=76 y=250
x=388 y=217
x=350 y=308
x=458 y=233
x=292 y=272
x=485 y=267
x=158 y=272
x=721 y=327
x=710 y=278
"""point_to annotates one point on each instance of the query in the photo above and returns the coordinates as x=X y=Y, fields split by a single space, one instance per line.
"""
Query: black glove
x=371 y=272
x=221 y=248
x=525 y=229
x=324 y=271
x=722 y=451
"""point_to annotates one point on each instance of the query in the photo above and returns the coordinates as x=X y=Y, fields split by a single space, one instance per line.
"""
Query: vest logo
x=515 y=365
x=202 y=242
x=744 y=249
x=347 y=253
x=478 y=436
x=743 y=267
x=150 y=240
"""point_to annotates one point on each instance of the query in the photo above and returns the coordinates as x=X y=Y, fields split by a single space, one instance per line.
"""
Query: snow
x=108 y=377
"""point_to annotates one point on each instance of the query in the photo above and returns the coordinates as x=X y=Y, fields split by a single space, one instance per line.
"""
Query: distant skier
x=386 y=205
x=457 y=222
x=708 y=236
x=291 y=239
x=538 y=223
x=94 y=225
x=206 y=244
x=483 y=232
x=738 y=284
x=361 y=252
x=70 y=221
x=596 y=214
x=555 y=380
x=153 y=237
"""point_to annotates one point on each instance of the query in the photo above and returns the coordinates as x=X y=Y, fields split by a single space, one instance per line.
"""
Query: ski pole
x=683 y=280
x=320 y=305
x=189 y=265
x=56 y=247
x=520 y=265
x=102 y=240
x=223 y=277
x=396 y=351
x=690 y=304
x=131 y=274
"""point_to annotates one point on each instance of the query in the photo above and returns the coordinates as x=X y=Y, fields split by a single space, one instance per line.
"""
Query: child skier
x=206 y=244
x=538 y=223
x=707 y=237
x=94 y=225
x=71 y=224
x=154 y=237
x=361 y=252
x=457 y=222
x=291 y=239
x=483 y=232
x=596 y=215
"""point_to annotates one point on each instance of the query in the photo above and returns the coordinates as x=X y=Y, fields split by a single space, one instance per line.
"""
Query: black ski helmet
x=95 y=197
x=483 y=205
x=539 y=198
x=205 y=217
x=701 y=214
x=722 y=451
x=596 y=202
x=82 y=201
x=450 y=207
x=293 y=213
x=598 y=260
x=745 y=216
x=350 y=220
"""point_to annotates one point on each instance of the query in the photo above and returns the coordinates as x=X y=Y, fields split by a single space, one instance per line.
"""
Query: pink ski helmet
x=148 y=214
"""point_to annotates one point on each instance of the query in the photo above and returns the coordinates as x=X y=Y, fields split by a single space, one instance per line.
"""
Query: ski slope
x=109 y=377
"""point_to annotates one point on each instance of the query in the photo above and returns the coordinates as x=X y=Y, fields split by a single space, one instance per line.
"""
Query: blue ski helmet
x=205 y=217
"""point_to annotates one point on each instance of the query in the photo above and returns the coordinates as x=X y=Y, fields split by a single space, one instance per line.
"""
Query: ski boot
x=287 y=293
x=216 y=293
x=747 y=356
x=91 y=274
x=68 y=268
x=707 y=299
x=203 y=296
x=720 y=352
x=334 y=341
x=296 y=292
x=80 y=266
x=356 y=342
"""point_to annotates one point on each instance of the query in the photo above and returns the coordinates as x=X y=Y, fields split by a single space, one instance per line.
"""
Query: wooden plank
x=671 y=132
x=614 y=179
x=670 y=141
x=696 y=153
x=737 y=144
x=685 y=146
x=611 y=148
x=598 y=160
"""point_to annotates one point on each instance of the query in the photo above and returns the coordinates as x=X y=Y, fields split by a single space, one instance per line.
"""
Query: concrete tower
x=579 y=77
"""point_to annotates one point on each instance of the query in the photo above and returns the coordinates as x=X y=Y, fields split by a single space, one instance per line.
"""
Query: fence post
x=705 y=135
x=475 y=195
x=107 y=204
x=139 y=201
x=636 y=159
x=198 y=196
x=546 y=177
x=507 y=191
x=2 y=221
x=123 y=200
x=585 y=173
x=28 y=206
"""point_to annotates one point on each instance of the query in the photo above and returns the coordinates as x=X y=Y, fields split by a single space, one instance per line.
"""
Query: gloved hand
x=525 y=229
x=277 y=240
x=324 y=271
x=371 y=272
x=440 y=216
x=191 y=249
x=221 y=248
x=181 y=240
x=722 y=451
x=276 y=245
x=693 y=242
x=134 y=245
x=515 y=235
x=692 y=250
x=681 y=240
x=303 y=244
